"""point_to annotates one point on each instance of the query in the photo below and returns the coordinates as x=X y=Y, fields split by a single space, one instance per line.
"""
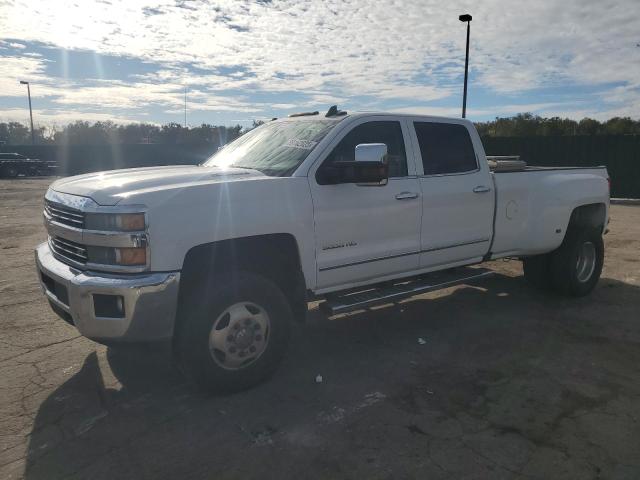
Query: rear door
x=457 y=194
x=366 y=232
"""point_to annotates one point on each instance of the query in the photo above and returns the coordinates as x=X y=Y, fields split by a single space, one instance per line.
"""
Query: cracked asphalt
x=509 y=383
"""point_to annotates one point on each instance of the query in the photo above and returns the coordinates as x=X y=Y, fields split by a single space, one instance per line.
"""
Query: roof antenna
x=334 y=112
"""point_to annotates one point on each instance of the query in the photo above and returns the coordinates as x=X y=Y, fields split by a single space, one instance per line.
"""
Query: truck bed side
x=534 y=206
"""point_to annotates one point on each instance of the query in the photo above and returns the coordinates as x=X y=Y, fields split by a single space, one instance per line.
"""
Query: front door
x=366 y=232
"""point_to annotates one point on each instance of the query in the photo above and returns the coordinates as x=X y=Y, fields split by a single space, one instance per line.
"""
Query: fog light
x=111 y=306
x=131 y=256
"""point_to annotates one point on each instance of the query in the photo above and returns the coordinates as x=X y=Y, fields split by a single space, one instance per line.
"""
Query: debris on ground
x=414 y=429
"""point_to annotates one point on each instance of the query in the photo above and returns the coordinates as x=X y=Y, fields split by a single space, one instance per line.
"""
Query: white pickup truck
x=350 y=210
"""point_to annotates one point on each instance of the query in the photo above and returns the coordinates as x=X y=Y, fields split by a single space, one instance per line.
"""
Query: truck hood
x=109 y=188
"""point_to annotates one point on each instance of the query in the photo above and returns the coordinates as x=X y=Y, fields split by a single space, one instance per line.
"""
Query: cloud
x=15 y=69
x=61 y=117
x=232 y=54
x=493 y=110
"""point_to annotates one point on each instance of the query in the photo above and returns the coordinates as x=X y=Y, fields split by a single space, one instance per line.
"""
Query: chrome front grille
x=65 y=215
x=68 y=250
x=74 y=240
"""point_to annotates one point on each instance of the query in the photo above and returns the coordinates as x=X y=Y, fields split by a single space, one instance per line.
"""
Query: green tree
x=588 y=126
x=15 y=133
x=621 y=126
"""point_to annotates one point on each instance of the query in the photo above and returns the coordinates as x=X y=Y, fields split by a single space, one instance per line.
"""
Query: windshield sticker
x=303 y=144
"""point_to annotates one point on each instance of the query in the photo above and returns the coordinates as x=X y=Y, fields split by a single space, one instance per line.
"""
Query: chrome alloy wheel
x=239 y=335
x=586 y=263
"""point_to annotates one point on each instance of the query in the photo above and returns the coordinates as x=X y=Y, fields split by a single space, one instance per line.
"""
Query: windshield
x=275 y=149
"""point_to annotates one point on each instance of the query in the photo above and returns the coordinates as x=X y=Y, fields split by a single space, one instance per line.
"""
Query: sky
x=239 y=61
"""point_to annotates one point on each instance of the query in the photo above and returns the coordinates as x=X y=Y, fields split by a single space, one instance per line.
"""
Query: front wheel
x=234 y=332
x=577 y=264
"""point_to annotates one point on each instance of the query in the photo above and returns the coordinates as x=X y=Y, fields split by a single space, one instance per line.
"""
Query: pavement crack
x=3 y=305
x=38 y=347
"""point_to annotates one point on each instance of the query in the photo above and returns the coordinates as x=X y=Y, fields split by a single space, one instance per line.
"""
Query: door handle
x=481 y=189
x=406 y=195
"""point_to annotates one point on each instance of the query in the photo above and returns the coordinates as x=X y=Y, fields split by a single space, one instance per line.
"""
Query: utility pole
x=466 y=18
x=33 y=136
x=185 y=107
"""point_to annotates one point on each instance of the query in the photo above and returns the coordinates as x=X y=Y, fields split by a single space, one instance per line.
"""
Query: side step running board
x=357 y=299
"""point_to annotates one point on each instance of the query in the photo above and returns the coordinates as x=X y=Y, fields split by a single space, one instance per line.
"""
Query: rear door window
x=445 y=148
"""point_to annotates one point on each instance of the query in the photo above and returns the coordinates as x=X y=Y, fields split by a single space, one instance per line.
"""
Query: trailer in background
x=14 y=164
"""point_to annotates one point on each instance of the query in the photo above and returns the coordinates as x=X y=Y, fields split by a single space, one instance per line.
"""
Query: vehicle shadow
x=130 y=414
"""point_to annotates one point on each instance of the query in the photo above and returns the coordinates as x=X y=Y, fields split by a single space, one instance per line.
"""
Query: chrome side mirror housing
x=371 y=152
x=372 y=158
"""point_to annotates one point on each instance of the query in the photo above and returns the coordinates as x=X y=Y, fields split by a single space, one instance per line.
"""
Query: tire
x=233 y=334
x=10 y=172
x=576 y=265
x=537 y=271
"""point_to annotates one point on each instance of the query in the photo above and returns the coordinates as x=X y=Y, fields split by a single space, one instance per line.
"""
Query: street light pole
x=33 y=137
x=466 y=18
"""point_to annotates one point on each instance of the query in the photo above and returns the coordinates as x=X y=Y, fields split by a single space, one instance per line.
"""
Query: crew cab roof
x=356 y=115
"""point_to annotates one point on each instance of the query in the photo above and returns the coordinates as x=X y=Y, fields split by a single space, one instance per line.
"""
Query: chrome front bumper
x=150 y=300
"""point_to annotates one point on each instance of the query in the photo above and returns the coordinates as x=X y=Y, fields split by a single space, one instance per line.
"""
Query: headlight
x=115 y=222
x=126 y=256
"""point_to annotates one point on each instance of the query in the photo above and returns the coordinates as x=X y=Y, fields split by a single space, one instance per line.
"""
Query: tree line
x=102 y=133
x=529 y=125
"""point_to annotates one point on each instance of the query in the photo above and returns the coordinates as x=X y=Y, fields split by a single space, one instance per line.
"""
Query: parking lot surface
x=494 y=381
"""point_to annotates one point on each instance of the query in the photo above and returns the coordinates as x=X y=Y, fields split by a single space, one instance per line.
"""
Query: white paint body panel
x=457 y=223
x=357 y=223
x=351 y=235
x=190 y=206
x=534 y=207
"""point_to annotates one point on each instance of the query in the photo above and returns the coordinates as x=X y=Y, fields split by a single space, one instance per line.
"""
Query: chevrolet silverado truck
x=346 y=209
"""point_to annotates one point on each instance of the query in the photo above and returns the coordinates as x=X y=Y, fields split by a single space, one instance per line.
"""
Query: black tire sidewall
x=565 y=275
x=196 y=324
x=9 y=172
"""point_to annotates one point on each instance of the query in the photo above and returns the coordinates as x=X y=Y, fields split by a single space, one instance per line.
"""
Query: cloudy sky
x=243 y=60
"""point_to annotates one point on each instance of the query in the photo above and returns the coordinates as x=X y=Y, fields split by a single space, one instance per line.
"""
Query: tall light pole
x=466 y=18
x=33 y=137
x=185 y=107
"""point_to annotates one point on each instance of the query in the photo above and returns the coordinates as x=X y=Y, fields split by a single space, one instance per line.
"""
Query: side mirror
x=370 y=167
x=371 y=152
